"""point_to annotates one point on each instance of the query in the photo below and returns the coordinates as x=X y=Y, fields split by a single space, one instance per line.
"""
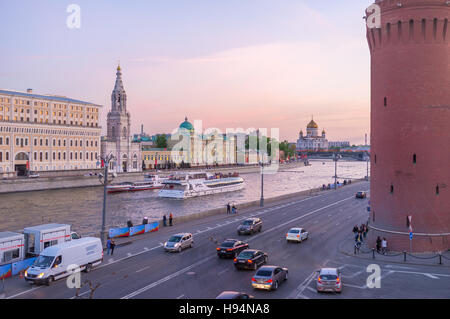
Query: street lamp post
x=105 y=183
x=261 y=201
x=336 y=158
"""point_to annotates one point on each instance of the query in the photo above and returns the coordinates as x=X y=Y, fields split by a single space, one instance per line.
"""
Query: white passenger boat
x=150 y=182
x=186 y=185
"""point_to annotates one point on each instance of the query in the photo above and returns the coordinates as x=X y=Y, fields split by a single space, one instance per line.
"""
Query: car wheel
x=275 y=287
x=50 y=280
x=286 y=276
x=191 y=245
x=260 y=229
x=179 y=249
x=88 y=268
x=265 y=260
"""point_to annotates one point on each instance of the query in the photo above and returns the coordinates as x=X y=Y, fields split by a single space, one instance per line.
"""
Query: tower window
x=375 y=159
x=392 y=189
x=385 y=101
x=437 y=189
x=414 y=158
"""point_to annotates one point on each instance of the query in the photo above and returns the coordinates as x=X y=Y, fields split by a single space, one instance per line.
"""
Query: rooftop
x=46 y=97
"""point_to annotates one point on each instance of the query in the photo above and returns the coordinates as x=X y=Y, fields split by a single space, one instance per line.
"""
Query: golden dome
x=312 y=124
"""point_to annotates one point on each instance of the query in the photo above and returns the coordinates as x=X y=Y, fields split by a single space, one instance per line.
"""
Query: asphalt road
x=144 y=270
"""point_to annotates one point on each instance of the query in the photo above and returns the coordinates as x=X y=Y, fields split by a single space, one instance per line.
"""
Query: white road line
x=162 y=280
x=223 y=271
x=431 y=276
x=24 y=292
x=143 y=269
x=179 y=297
x=419 y=273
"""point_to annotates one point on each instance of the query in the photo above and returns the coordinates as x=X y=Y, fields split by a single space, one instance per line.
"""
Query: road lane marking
x=143 y=269
x=162 y=280
x=181 y=296
x=24 y=292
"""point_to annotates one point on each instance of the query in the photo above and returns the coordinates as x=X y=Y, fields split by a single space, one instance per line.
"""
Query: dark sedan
x=361 y=195
x=234 y=295
x=250 y=259
x=231 y=248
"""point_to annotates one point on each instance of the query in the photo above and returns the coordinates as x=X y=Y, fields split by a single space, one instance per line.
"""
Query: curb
x=360 y=256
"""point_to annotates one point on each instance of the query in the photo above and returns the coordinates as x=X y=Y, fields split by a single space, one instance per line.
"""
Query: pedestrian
x=113 y=245
x=378 y=244
x=228 y=208
x=170 y=219
x=108 y=246
x=164 y=220
x=355 y=229
x=384 y=246
x=233 y=209
x=365 y=230
x=357 y=244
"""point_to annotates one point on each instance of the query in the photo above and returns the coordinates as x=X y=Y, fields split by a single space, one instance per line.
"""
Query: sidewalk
x=365 y=252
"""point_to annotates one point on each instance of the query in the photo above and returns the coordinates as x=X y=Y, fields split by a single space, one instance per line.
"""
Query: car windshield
x=294 y=231
x=247 y=222
x=328 y=277
x=43 y=261
x=246 y=254
x=227 y=244
x=175 y=239
x=264 y=273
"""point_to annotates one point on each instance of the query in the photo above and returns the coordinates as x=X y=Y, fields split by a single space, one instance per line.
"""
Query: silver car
x=269 y=277
x=178 y=242
x=329 y=279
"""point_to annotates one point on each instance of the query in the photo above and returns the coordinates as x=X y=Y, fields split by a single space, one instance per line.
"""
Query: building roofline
x=47 y=97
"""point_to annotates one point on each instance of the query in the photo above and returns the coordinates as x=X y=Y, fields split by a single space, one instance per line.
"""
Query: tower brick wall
x=410 y=124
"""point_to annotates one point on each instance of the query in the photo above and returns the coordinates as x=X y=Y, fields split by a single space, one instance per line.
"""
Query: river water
x=82 y=207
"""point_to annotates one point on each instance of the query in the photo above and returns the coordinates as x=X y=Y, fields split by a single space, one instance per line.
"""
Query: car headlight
x=40 y=275
x=26 y=273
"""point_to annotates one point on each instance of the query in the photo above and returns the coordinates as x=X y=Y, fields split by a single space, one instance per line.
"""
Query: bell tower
x=118 y=120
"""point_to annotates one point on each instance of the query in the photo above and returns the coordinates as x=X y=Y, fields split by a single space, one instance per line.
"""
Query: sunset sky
x=229 y=63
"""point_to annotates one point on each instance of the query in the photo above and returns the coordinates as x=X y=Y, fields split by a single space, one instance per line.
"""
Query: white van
x=53 y=262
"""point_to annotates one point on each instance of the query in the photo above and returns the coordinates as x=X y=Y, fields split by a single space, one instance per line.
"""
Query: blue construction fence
x=14 y=269
x=133 y=231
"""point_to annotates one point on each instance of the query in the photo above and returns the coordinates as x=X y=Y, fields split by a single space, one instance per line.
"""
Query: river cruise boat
x=150 y=182
x=187 y=185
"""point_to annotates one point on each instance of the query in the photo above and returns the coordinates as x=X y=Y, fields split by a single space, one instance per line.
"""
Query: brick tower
x=410 y=125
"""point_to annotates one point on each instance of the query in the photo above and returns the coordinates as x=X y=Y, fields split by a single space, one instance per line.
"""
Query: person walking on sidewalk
x=113 y=245
x=234 y=210
x=228 y=208
x=164 y=220
x=384 y=246
x=378 y=244
x=108 y=246
x=170 y=219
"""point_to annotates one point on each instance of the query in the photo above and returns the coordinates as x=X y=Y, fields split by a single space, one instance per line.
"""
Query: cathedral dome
x=186 y=125
x=312 y=124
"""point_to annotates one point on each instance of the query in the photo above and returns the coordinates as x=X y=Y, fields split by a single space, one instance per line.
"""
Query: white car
x=297 y=234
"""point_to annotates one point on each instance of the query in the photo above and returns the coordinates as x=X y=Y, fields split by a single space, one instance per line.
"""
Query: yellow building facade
x=47 y=133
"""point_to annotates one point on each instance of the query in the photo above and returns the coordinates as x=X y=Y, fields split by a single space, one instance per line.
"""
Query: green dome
x=187 y=125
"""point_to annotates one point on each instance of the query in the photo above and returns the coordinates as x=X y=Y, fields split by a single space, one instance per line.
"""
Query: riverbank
x=67 y=182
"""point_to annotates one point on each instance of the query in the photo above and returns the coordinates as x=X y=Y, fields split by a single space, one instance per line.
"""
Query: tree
x=161 y=141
